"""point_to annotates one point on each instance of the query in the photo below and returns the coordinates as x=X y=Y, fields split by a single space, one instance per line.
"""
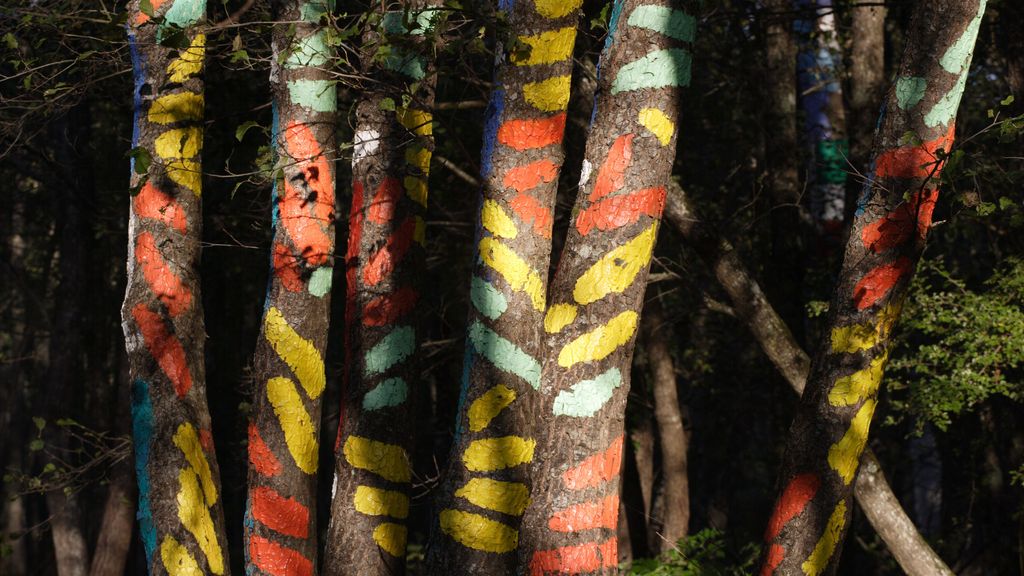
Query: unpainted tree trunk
x=830 y=430
x=180 y=513
x=384 y=279
x=867 y=86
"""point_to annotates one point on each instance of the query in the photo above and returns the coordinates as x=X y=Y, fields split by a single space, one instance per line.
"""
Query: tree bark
x=384 y=266
x=597 y=292
x=180 y=510
x=111 y=552
x=486 y=485
x=867 y=86
x=893 y=215
x=873 y=493
x=288 y=366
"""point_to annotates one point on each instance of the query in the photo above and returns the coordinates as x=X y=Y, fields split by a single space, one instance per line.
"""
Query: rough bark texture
x=288 y=367
x=672 y=438
x=873 y=493
x=180 y=511
x=867 y=85
x=384 y=265
x=597 y=292
x=485 y=487
x=111 y=553
x=893 y=215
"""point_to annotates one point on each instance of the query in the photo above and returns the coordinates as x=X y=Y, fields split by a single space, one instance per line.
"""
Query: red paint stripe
x=530 y=210
x=355 y=238
x=896 y=227
x=612 y=174
x=919 y=161
x=622 y=210
x=284 y=515
x=800 y=490
x=152 y=203
x=307 y=211
x=579 y=559
x=277 y=560
x=386 y=309
x=528 y=177
x=596 y=469
x=164 y=347
x=261 y=458
x=206 y=440
x=603 y=513
x=529 y=134
x=286 y=268
x=382 y=263
x=167 y=286
x=382 y=208
x=772 y=559
x=879 y=281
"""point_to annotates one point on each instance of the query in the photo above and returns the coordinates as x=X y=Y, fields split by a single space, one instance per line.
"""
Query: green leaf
x=239 y=56
x=36 y=445
x=1006 y=203
x=985 y=208
x=50 y=467
x=243 y=128
x=146 y=7
x=1006 y=101
x=39 y=422
x=65 y=422
x=12 y=42
x=387 y=104
x=142 y=159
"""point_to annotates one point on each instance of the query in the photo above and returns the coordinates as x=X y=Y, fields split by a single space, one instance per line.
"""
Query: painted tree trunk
x=180 y=511
x=384 y=264
x=288 y=366
x=597 y=292
x=821 y=102
x=867 y=86
x=486 y=485
x=830 y=430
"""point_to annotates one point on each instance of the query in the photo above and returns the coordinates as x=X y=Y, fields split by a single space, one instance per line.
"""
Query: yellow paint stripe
x=195 y=517
x=190 y=62
x=479 y=532
x=299 y=433
x=850 y=390
x=551 y=95
x=844 y=456
x=298 y=353
x=419 y=122
x=378 y=502
x=389 y=461
x=185 y=173
x=177 y=107
x=505 y=497
x=497 y=221
x=391 y=538
x=545 y=48
x=488 y=405
x=514 y=269
x=558 y=317
x=416 y=189
x=489 y=454
x=178 y=561
x=658 y=123
x=186 y=439
x=826 y=546
x=617 y=269
x=556 y=8
x=600 y=342
x=419 y=157
x=858 y=337
x=179 y=143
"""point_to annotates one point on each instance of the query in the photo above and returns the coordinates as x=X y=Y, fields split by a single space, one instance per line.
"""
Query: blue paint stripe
x=142 y=437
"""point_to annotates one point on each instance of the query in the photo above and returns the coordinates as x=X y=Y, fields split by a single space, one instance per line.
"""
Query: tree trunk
x=288 y=365
x=867 y=86
x=384 y=271
x=831 y=426
x=180 y=514
x=873 y=493
x=597 y=292
x=486 y=486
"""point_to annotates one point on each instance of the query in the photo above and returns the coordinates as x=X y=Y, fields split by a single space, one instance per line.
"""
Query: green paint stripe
x=672 y=23
x=396 y=347
x=504 y=354
x=320 y=281
x=909 y=91
x=585 y=398
x=957 y=58
x=389 y=393
x=487 y=299
x=308 y=51
x=317 y=95
x=658 y=69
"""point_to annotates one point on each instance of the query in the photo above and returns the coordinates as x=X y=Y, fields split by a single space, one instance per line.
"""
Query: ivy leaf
x=243 y=128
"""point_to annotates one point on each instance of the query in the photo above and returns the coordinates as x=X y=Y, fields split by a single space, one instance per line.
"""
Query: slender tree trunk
x=180 y=514
x=1010 y=42
x=384 y=265
x=873 y=493
x=288 y=366
x=597 y=292
x=672 y=437
x=893 y=215
x=486 y=486
x=867 y=86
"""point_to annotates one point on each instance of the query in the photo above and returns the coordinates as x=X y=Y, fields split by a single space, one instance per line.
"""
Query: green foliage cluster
x=706 y=553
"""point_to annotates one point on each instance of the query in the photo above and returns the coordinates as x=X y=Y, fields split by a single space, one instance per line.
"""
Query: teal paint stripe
x=317 y=95
x=396 y=347
x=487 y=299
x=504 y=354
x=320 y=281
x=659 y=69
x=909 y=91
x=663 y=20
x=585 y=398
x=388 y=394
x=958 y=56
x=308 y=51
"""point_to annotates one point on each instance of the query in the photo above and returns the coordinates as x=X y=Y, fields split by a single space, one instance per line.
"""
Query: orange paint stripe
x=528 y=177
x=797 y=494
x=382 y=208
x=277 y=560
x=142 y=18
x=622 y=210
x=286 y=268
x=918 y=161
x=164 y=347
x=261 y=458
x=168 y=287
x=386 y=309
x=772 y=559
x=612 y=174
x=383 y=262
x=578 y=559
x=596 y=469
x=152 y=203
x=879 y=281
x=530 y=210
x=308 y=213
x=285 y=515
x=529 y=134
x=896 y=227
x=603 y=513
